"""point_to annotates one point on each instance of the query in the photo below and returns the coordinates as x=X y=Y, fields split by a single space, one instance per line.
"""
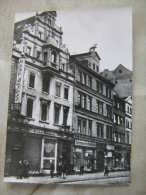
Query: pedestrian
x=51 y=169
x=59 y=169
x=20 y=170
x=63 y=170
x=106 y=171
x=81 y=169
x=25 y=168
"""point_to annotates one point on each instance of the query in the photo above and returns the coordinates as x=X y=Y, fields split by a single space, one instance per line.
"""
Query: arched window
x=53 y=57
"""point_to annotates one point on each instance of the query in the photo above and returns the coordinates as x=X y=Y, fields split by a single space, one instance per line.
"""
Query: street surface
x=121 y=177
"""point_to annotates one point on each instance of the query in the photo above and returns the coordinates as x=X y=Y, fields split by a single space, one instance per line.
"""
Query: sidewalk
x=69 y=178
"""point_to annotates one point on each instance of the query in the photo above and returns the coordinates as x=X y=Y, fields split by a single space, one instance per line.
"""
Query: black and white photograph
x=70 y=97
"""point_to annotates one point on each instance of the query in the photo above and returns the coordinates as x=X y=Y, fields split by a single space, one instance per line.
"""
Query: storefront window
x=48 y=154
x=49 y=149
x=47 y=163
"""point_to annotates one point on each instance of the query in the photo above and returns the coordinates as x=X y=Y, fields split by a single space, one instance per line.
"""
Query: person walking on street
x=52 y=169
x=106 y=171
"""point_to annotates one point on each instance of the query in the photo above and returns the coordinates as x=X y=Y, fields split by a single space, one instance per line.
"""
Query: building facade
x=93 y=113
x=61 y=107
x=41 y=97
x=122 y=112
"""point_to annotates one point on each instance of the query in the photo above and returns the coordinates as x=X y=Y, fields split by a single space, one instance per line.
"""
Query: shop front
x=84 y=155
x=55 y=151
x=120 y=157
x=109 y=156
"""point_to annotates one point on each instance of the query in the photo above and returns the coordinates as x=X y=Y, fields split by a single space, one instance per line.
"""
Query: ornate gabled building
x=93 y=113
x=41 y=97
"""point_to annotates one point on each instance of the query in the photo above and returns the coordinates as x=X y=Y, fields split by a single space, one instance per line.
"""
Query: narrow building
x=92 y=114
x=41 y=97
x=122 y=110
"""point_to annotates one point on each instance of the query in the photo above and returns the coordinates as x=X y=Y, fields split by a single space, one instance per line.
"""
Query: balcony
x=51 y=42
x=65 y=128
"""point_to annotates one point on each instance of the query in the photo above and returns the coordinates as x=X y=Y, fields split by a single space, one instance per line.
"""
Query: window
x=84 y=126
x=57 y=108
x=53 y=34
x=29 y=107
x=65 y=115
x=44 y=109
x=58 y=89
x=89 y=103
x=100 y=130
x=66 y=89
x=114 y=118
x=109 y=111
x=29 y=50
x=80 y=76
x=40 y=34
x=31 y=80
x=99 y=107
x=120 y=71
x=78 y=99
x=93 y=66
x=90 y=127
x=109 y=132
x=45 y=84
x=83 y=101
x=53 y=57
x=90 y=82
x=62 y=67
x=49 y=21
x=99 y=87
x=45 y=57
x=97 y=69
x=108 y=92
x=48 y=154
x=38 y=54
x=84 y=78
x=79 y=125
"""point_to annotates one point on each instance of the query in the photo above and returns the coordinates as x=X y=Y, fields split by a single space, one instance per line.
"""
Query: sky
x=109 y=28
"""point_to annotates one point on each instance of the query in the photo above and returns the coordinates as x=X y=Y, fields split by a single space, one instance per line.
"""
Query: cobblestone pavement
x=88 y=177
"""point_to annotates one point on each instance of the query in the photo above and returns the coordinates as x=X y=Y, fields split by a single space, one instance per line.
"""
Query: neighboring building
x=93 y=113
x=119 y=133
x=41 y=97
x=128 y=127
x=122 y=78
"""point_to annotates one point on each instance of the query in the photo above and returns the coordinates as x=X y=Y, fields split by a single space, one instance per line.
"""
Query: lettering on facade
x=84 y=143
x=19 y=81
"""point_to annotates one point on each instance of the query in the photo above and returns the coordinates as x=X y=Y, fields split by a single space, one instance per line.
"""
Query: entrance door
x=49 y=152
x=64 y=154
x=100 y=161
x=16 y=157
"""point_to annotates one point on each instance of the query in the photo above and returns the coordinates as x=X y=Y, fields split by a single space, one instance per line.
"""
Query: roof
x=92 y=72
x=86 y=54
